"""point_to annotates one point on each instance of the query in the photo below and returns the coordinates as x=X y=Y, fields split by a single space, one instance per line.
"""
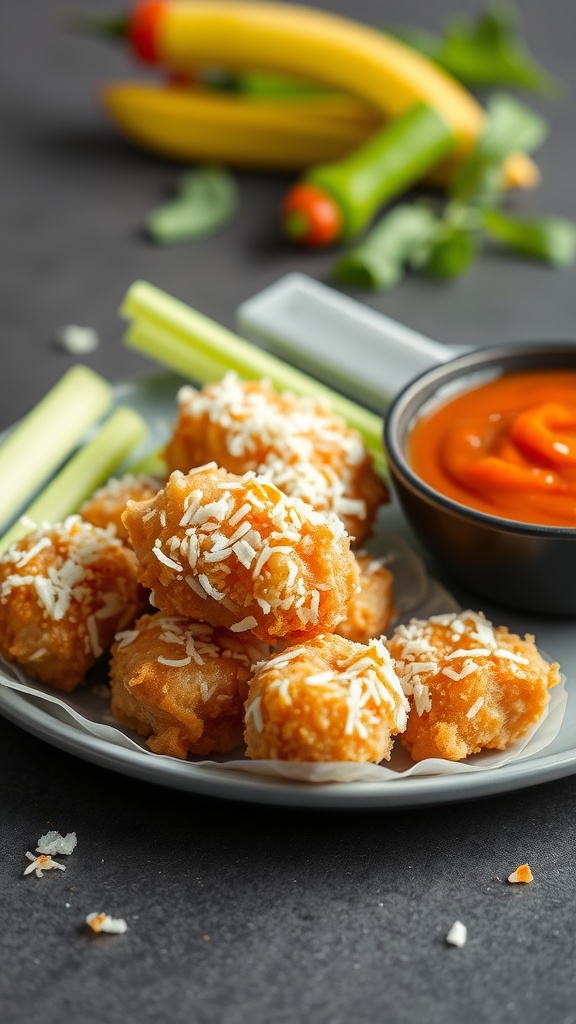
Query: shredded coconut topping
x=309 y=453
x=217 y=538
x=419 y=659
x=363 y=678
x=75 y=545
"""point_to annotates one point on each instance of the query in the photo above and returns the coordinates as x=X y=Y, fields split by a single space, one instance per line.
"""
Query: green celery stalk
x=177 y=336
x=48 y=434
x=88 y=469
x=151 y=464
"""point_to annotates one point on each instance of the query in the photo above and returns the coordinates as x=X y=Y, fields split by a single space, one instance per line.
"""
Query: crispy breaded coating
x=300 y=445
x=325 y=700
x=471 y=686
x=236 y=552
x=105 y=507
x=64 y=593
x=370 y=611
x=182 y=683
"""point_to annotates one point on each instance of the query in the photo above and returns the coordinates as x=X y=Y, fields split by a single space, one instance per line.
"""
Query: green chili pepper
x=380 y=259
x=552 y=239
x=336 y=201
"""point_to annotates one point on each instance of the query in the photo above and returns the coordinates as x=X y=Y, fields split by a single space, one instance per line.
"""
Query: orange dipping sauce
x=507 y=447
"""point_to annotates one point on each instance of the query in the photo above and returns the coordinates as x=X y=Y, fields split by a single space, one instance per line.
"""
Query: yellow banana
x=313 y=44
x=192 y=124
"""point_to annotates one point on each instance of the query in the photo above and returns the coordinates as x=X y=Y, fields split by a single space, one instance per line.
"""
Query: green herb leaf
x=552 y=239
x=510 y=126
x=452 y=253
x=489 y=51
x=427 y=43
x=207 y=200
x=486 y=51
x=379 y=261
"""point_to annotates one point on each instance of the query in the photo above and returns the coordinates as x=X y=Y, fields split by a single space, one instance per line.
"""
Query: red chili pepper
x=310 y=216
x=143 y=28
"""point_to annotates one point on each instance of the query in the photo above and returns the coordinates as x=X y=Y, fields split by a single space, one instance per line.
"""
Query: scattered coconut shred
x=522 y=874
x=51 y=843
x=457 y=935
x=104 y=923
x=76 y=340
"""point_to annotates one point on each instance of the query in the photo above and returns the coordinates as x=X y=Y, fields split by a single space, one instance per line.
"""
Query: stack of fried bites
x=264 y=625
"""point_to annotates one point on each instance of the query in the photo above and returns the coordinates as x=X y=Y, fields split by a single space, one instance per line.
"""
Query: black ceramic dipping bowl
x=521 y=565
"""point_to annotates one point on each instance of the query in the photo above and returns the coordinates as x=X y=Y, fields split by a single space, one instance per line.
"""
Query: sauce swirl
x=507 y=447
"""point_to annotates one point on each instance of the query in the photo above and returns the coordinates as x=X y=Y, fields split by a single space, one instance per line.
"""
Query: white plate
x=154 y=398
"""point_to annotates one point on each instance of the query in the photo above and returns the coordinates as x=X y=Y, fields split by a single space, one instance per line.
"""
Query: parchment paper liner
x=86 y=709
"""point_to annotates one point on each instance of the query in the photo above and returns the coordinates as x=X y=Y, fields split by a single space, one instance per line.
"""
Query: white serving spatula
x=354 y=349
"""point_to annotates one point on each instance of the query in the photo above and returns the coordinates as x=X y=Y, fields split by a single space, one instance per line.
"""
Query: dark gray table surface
x=239 y=913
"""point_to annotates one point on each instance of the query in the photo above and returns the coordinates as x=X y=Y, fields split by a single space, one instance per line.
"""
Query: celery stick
x=205 y=366
x=47 y=435
x=88 y=469
x=151 y=464
x=185 y=340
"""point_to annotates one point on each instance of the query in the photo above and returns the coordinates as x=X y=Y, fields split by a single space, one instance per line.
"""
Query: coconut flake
x=457 y=935
x=241 y=627
x=105 y=923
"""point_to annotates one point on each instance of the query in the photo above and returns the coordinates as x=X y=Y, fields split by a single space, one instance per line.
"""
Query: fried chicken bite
x=472 y=686
x=182 y=684
x=372 y=608
x=64 y=592
x=236 y=552
x=300 y=445
x=105 y=507
x=325 y=700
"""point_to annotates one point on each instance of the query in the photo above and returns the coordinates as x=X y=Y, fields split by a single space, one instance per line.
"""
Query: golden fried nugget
x=105 y=507
x=472 y=686
x=236 y=552
x=64 y=593
x=182 y=683
x=325 y=700
x=300 y=445
x=370 y=611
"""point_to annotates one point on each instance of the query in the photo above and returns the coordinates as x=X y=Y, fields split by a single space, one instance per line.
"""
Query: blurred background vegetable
x=484 y=51
x=365 y=115
x=285 y=133
x=379 y=260
x=193 y=35
x=552 y=239
x=206 y=199
x=390 y=162
x=445 y=242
